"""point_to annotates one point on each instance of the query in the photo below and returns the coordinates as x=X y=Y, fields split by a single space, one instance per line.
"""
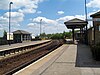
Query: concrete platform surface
x=66 y=60
x=4 y=47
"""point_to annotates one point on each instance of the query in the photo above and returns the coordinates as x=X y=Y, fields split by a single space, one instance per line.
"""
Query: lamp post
x=10 y=19
x=40 y=26
x=85 y=14
x=86 y=22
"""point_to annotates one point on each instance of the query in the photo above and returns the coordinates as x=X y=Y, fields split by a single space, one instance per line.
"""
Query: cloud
x=82 y=17
x=66 y=18
x=60 y=12
x=3 y=20
x=32 y=25
x=21 y=7
x=27 y=10
x=94 y=3
x=34 y=28
x=1 y=28
x=44 y=20
x=16 y=19
x=49 y=25
x=24 y=6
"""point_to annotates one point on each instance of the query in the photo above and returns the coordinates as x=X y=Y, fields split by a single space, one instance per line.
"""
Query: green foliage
x=63 y=35
x=67 y=34
x=49 y=36
x=37 y=38
x=43 y=35
x=4 y=35
x=57 y=36
x=3 y=41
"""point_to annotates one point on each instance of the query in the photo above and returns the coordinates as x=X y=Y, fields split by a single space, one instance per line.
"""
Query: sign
x=94 y=19
x=11 y=36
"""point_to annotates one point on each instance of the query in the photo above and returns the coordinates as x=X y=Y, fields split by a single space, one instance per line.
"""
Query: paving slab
x=65 y=64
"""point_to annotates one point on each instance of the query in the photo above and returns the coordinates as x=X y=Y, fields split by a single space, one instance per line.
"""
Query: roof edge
x=95 y=14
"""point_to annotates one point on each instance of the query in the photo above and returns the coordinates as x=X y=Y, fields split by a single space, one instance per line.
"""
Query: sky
x=26 y=14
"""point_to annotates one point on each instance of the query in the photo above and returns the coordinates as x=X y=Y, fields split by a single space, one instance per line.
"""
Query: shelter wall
x=90 y=36
x=97 y=31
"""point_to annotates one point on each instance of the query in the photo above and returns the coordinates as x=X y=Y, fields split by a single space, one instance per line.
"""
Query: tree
x=43 y=35
x=63 y=35
x=4 y=34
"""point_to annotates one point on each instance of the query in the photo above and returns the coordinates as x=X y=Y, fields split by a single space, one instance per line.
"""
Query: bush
x=96 y=51
x=3 y=42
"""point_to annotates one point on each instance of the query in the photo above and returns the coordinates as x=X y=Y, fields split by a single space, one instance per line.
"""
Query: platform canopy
x=75 y=23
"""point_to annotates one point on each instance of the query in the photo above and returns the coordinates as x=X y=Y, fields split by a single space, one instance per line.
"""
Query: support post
x=73 y=35
x=94 y=32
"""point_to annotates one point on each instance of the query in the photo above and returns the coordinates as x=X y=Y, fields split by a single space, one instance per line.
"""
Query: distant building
x=96 y=27
x=33 y=37
x=21 y=36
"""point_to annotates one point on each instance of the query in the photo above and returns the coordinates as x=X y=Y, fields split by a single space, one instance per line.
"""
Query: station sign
x=94 y=19
x=11 y=36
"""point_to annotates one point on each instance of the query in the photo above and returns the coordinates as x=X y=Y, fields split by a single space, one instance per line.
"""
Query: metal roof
x=75 y=23
x=95 y=14
x=21 y=32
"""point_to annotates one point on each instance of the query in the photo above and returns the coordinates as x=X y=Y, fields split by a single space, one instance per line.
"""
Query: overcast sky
x=26 y=14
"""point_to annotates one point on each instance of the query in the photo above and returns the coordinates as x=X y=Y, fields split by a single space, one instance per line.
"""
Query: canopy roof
x=75 y=23
x=95 y=14
x=21 y=32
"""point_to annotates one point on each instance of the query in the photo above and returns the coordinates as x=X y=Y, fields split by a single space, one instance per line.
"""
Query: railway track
x=10 y=65
x=15 y=50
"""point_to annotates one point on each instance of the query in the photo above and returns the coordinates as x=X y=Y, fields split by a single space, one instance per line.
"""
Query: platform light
x=10 y=20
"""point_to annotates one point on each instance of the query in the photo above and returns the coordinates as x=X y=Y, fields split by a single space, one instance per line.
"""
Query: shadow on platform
x=84 y=57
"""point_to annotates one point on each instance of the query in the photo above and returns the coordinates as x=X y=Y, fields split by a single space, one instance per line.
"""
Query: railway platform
x=6 y=47
x=66 y=60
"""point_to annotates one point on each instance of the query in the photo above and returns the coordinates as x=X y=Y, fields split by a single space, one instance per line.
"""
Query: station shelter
x=77 y=24
x=21 y=36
